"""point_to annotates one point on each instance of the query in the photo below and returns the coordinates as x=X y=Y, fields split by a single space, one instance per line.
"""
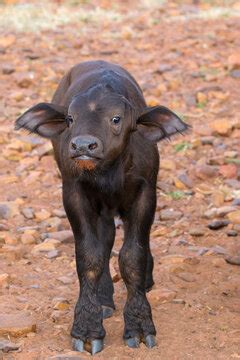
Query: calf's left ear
x=44 y=119
x=158 y=122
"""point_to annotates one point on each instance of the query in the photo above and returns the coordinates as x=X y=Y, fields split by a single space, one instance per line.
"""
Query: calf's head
x=97 y=125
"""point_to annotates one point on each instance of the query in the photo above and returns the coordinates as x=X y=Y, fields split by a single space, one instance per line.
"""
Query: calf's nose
x=85 y=145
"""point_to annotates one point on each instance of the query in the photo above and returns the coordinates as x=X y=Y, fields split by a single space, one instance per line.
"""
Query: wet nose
x=85 y=145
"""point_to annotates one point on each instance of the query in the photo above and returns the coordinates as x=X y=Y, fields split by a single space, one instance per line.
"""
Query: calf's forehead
x=107 y=105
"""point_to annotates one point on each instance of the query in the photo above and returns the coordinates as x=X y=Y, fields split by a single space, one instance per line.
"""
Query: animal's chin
x=85 y=162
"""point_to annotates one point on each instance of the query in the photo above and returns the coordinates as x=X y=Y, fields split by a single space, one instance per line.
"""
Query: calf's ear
x=158 y=122
x=44 y=119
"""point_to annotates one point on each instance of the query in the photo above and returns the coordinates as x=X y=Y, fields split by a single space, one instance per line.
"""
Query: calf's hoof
x=134 y=342
x=94 y=346
x=107 y=311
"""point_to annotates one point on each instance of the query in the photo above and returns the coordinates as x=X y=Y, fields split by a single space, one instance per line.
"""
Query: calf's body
x=104 y=139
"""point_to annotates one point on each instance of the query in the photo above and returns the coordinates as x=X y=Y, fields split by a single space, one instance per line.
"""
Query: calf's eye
x=116 y=120
x=69 y=120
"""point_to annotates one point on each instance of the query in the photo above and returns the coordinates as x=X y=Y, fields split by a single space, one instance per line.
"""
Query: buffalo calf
x=105 y=143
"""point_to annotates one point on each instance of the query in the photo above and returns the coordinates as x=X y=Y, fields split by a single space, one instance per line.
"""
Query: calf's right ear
x=44 y=119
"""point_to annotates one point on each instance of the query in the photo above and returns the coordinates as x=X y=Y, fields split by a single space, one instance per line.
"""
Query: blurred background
x=185 y=55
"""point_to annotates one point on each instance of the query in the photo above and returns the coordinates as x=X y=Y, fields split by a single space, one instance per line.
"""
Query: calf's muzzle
x=86 y=146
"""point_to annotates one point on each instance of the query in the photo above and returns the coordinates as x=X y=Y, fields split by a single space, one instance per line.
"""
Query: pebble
x=218 y=224
x=7 y=69
x=59 y=213
x=28 y=213
x=235 y=74
x=65 y=280
x=186 y=276
x=42 y=215
x=211 y=213
x=232 y=233
x=61 y=304
x=221 y=127
x=16 y=324
x=7 y=346
x=9 y=239
x=28 y=239
x=52 y=254
x=4 y=280
x=234 y=260
x=206 y=171
x=8 y=209
x=218 y=250
x=53 y=223
x=224 y=210
x=197 y=231
x=236 y=202
x=161 y=295
x=65 y=236
x=228 y=171
x=218 y=262
x=170 y=214
x=178 y=301
x=43 y=247
x=234 y=217
x=4 y=227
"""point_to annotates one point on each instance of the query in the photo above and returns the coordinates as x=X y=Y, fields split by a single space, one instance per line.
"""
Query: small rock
x=61 y=304
x=218 y=250
x=53 y=254
x=9 y=239
x=178 y=301
x=161 y=295
x=53 y=223
x=186 y=276
x=4 y=280
x=7 y=69
x=168 y=164
x=28 y=239
x=211 y=213
x=197 y=231
x=170 y=214
x=185 y=180
x=65 y=280
x=43 y=247
x=206 y=171
x=218 y=262
x=16 y=324
x=235 y=74
x=225 y=210
x=232 y=233
x=65 y=236
x=233 y=183
x=234 y=260
x=222 y=127
x=59 y=213
x=218 y=224
x=28 y=213
x=228 y=171
x=234 y=217
x=42 y=215
x=4 y=227
x=8 y=209
x=236 y=202
x=7 y=346
x=24 y=80
x=234 y=61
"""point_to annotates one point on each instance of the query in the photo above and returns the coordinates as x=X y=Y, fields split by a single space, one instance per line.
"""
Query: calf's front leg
x=133 y=261
x=87 y=329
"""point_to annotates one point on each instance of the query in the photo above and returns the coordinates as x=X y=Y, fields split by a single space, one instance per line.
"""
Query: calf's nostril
x=74 y=146
x=92 y=146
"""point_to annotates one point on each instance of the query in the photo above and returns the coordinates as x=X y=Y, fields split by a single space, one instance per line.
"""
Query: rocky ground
x=183 y=53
